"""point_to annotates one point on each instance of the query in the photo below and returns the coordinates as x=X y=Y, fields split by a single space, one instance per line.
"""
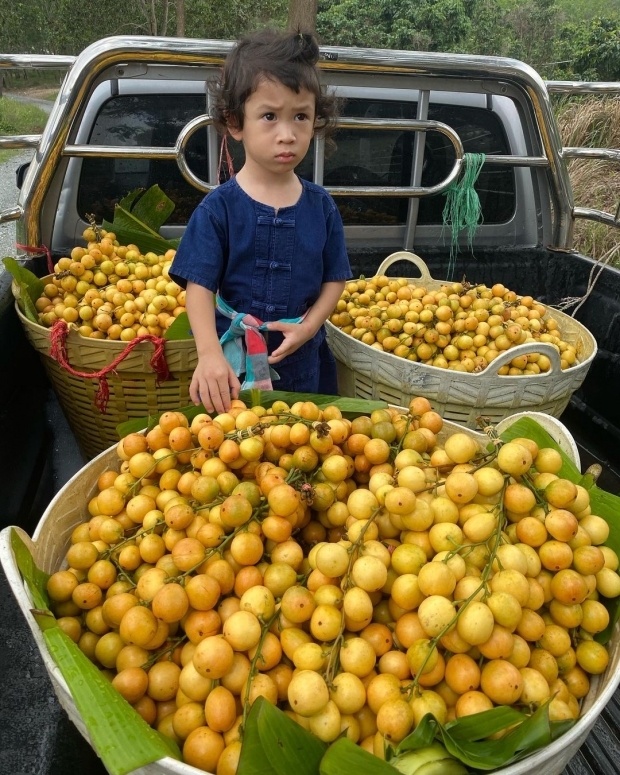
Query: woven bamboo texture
x=134 y=391
x=365 y=372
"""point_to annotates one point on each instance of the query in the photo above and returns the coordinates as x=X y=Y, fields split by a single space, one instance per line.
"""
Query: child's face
x=277 y=128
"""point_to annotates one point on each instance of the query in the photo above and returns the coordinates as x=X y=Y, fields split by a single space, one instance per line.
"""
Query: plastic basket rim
x=333 y=330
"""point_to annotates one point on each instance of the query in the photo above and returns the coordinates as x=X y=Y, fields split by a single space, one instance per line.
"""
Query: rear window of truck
x=362 y=157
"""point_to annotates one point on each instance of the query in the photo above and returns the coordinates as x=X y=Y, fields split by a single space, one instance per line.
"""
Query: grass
x=595 y=123
x=17 y=118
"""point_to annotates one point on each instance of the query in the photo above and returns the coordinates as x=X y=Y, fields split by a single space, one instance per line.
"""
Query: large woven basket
x=133 y=385
x=365 y=372
x=53 y=536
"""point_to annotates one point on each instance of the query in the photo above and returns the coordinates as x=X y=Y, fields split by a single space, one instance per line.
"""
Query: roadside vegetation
x=17 y=118
x=594 y=123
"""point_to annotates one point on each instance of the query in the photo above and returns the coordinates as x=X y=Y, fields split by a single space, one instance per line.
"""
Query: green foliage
x=16 y=118
x=600 y=53
x=221 y=19
x=433 y=25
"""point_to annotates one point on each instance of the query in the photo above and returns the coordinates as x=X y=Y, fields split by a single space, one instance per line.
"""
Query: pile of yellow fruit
x=111 y=291
x=354 y=572
x=458 y=327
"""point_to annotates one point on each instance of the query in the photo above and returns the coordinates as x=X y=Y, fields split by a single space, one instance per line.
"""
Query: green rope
x=462 y=209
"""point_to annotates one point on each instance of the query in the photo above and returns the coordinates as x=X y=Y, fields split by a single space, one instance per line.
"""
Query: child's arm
x=296 y=334
x=214 y=380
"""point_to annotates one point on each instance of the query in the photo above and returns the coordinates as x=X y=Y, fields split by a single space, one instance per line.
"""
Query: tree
x=180 y=18
x=430 y=25
x=302 y=15
x=600 y=56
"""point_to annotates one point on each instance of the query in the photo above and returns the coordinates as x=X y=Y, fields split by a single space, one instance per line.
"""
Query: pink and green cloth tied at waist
x=245 y=347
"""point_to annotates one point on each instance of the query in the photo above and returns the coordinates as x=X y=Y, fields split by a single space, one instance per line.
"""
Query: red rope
x=40 y=249
x=229 y=162
x=58 y=351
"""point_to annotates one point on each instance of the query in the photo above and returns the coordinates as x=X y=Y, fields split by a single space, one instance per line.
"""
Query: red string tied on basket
x=39 y=249
x=58 y=351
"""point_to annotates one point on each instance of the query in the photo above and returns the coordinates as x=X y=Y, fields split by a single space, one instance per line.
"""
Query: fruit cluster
x=355 y=572
x=458 y=327
x=111 y=291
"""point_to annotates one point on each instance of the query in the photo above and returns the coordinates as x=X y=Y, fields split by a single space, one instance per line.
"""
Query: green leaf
x=127 y=201
x=35 y=579
x=344 y=756
x=289 y=747
x=153 y=208
x=532 y=733
x=30 y=287
x=602 y=503
x=253 y=760
x=421 y=737
x=274 y=743
x=180 y=329
x=147 y=241
x=121 y=737
x=483 y=724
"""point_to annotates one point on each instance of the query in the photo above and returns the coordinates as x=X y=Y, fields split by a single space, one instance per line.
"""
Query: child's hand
x=214 y=383
x=295 y=334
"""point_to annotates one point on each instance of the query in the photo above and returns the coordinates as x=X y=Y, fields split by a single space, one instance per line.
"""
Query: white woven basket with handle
x=365 y=372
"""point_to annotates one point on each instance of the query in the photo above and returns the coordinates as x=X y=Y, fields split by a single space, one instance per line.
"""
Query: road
x=8 y=189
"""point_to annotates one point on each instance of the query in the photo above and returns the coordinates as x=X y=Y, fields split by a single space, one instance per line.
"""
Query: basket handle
x=406 y=255
x=58 y=352
x=542 y=348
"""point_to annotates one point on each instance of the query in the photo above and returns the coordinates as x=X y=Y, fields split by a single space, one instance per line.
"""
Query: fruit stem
x=484 y=577
x=174 y=642
x=265 y=625
x=347 y=583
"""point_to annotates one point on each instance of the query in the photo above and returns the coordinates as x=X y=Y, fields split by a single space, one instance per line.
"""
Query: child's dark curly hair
x=290 y=58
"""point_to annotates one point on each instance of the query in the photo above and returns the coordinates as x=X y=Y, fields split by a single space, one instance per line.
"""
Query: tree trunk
x=180 y=18
x=153 y=18
x=302 y=16
x=164 y=24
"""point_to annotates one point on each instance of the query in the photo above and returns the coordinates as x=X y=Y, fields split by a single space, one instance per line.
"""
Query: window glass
x=144 y=119
x=362 y=157
x=370 y=157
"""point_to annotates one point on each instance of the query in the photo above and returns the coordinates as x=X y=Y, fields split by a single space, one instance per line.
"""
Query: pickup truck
x=133 y=111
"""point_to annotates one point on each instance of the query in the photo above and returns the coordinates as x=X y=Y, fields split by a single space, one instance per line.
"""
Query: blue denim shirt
x=266 y=263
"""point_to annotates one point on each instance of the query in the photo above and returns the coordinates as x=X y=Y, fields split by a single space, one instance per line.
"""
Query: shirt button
x=273 y=265
x=278 y=222
x=270 y=308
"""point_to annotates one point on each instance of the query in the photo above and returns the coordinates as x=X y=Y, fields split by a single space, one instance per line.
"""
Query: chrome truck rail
x=121 y=51
x=601 y=89
x=8 y=142
x=36 y=62
x=177 y=153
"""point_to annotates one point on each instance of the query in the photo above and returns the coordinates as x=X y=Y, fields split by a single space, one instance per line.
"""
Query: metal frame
x=121 y=51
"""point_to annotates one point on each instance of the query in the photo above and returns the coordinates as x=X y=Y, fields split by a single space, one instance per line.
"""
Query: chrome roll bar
x=177 y=153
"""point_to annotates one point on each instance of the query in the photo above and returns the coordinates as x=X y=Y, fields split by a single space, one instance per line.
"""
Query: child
x=268 y=243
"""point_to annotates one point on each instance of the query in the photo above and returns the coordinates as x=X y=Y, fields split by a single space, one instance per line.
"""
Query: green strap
x=462 y=209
